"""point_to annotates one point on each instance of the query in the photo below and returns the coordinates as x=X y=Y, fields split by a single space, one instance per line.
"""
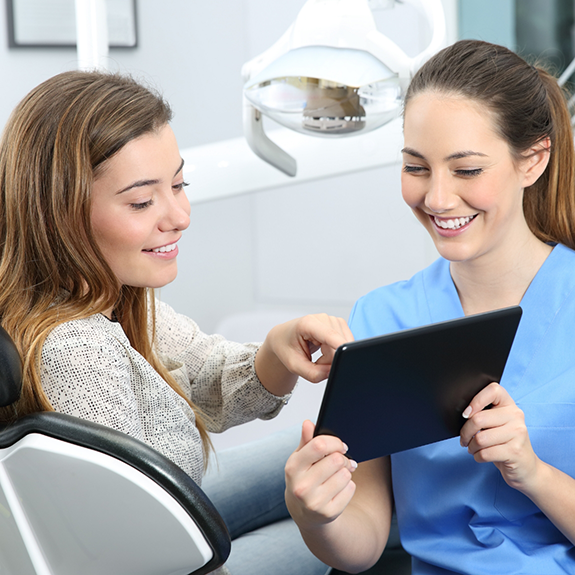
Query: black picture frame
x=123 y=31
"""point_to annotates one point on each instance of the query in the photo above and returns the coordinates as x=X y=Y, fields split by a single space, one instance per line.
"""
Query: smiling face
x=460 y=178
x=139 y=210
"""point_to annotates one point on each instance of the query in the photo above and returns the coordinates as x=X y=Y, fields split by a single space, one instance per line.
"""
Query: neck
x=109 y=313
x=501 y=279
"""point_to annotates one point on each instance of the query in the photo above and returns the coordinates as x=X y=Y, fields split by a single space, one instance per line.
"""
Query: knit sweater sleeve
x=222 y=377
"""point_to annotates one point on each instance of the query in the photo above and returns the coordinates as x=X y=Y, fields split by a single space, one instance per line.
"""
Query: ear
x=535 y=161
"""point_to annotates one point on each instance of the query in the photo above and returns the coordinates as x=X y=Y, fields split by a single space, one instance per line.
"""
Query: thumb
x=306 y=433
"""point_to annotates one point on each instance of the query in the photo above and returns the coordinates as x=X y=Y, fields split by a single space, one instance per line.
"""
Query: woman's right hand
x=319 y=482
x=345 y=527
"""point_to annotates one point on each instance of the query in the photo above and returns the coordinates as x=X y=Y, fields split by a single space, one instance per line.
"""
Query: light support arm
x=262 y=146
x=91 y=34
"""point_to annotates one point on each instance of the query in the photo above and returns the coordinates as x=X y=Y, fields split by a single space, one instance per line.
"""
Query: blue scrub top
x=459 y=516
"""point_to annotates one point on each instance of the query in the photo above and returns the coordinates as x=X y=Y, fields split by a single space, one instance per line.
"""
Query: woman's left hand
x=287 y=351
x=496 y=432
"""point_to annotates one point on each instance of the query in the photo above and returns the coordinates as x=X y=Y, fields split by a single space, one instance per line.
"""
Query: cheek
x=485 y=196
x=116 y=235
x=410 y=191
x=105 y=233
x=101 y=232
x=184 y=203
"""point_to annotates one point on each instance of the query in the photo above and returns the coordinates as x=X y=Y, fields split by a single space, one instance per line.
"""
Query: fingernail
x=467 y=412
x=345 y=447
x=353 y=464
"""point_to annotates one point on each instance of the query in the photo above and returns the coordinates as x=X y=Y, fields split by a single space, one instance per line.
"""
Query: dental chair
x=80 y=498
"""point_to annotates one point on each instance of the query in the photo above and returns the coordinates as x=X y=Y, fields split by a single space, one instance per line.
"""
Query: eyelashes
x=180 y=186
x=409 y=169
x=413 y=169
x=469 y=173
x=143 y=205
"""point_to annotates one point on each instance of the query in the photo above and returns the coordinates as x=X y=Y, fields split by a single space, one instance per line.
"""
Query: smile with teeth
x=452 y=223
x=163 y=249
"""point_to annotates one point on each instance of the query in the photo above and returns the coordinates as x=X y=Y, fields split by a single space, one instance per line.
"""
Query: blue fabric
x=459 y=516
x=246 y=485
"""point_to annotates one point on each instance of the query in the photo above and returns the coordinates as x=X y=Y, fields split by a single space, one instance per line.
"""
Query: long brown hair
x=528 y=106
x=54 y=145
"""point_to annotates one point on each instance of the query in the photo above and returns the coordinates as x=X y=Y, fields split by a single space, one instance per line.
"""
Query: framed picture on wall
x=52 y=23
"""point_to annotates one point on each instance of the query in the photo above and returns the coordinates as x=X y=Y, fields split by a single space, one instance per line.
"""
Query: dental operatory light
x=331 y=74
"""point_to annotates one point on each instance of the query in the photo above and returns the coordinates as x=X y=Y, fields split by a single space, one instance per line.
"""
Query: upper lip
x=450 y=217
x=162 y=246
x=453 y=222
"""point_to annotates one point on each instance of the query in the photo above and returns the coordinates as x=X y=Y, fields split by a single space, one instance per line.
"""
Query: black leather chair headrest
x=10 y=370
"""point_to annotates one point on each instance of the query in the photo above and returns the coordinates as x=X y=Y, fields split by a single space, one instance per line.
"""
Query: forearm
x=554 y=493
x=227 y=390
x=351 y=543
x=272 y=373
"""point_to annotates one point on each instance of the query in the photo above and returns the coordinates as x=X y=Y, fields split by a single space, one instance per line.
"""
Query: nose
x=440 y=196
x=176 y=213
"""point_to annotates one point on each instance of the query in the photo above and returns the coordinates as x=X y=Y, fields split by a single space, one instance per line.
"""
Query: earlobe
x=536 y=161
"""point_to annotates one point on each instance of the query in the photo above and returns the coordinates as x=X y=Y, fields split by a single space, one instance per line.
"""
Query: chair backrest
x=78 y=497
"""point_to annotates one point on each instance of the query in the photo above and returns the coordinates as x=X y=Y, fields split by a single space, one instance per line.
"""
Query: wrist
x=271 y=371
x=536 y=481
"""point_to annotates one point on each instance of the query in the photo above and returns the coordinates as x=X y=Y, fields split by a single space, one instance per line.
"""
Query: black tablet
x=408 y=388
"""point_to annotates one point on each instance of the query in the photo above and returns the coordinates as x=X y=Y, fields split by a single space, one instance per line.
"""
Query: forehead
x=149 y=152
x=432 y=119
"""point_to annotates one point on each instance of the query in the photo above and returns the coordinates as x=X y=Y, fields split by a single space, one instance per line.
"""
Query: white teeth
x=453 y=224
x=163 y=249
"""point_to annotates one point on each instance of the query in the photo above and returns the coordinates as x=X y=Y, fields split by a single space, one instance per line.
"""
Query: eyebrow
x=143 y=183
x=454 y=156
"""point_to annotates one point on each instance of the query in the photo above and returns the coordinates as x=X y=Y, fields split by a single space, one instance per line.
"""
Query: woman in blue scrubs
x=488 y=169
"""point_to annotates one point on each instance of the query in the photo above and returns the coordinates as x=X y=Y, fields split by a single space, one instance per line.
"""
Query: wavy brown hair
x=529 y=106
x=54 y=145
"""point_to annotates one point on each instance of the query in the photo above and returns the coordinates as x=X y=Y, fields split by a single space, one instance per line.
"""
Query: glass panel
x=489 y=20
x=532 y=28
x=545 y=30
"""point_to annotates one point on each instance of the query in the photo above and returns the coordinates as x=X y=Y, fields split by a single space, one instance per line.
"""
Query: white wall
x=302 y=248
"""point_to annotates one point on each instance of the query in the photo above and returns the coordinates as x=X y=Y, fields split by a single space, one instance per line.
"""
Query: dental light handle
x=434 y=14
x=262 y=146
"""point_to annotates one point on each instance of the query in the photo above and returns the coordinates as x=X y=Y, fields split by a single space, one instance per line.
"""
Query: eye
x=179 y=187
x=408 y=169
x=469 y=173
x=142 y=205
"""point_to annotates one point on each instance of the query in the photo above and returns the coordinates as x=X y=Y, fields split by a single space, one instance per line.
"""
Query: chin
x=155 y=283
x=162 y=283
x=454 y=253
x=160 y=280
